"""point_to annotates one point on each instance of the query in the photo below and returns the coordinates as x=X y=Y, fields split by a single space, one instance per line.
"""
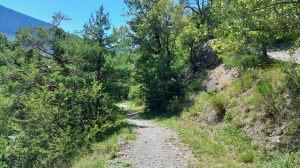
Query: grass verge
x=259 y=100
x=223 y=145
x=108 y=149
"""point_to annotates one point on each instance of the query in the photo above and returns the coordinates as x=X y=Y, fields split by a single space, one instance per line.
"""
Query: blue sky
x=78 y=10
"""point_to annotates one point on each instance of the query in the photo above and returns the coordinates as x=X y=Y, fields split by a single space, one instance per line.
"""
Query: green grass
x=211 y=145
x=105 y=150
x=247 y=156
x=279 y=160
x=195 y=86
x=225 y=143
x=126 y=165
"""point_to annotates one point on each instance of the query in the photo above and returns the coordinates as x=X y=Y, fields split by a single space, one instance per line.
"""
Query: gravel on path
x=155 y=147
x=285 y=56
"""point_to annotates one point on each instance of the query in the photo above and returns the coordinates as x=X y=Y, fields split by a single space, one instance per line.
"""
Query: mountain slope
x=11 y=20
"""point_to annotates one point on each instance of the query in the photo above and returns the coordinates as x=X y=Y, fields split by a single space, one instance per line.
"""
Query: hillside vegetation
x=252 y=121
x=58 y=91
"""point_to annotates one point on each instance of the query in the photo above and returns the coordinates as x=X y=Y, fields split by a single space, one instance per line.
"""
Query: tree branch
x=278 y=3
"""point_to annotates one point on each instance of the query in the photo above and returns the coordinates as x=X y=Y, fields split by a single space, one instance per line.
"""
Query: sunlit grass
x=225 y=143
x=105 y=150
x=218 y=145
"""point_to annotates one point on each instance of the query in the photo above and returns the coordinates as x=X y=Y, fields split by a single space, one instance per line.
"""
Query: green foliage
x=195 y=85
x=199 y=29
x=120 y=65
x=242 y=60
x=111 y=59
x=100 y=163
x=248 y=24
x=126 y=165
x=190 y=39
x=135 y=92
x=54 y=102
x=295 y=46
x=212 y=145
x=271 y=102
x=3 y=151
x=292 y=84
x=282 y=161
x=95 y=29
x=228 y=115
x=175 y=105
x=255 y=146
x=219 y=102
x=159 y=91
x=4 y=43
x=155 y=26
x=57 y=90
x=65 y=125
x=247 y=157
x=104 y=150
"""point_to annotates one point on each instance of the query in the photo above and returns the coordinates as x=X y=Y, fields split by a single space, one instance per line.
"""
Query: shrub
x=3 y=150
x=272 y=101
x=135 y=92
x=279 y=160
x=292 y=85
x=219 y=102
x=228 y=115
x=247 y=157
x=53 y=127
x=195 y=86
x=175 y=105
x=235 y=59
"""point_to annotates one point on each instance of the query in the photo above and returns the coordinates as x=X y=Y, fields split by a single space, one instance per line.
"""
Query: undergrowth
x=261 y=103
x=107 y=149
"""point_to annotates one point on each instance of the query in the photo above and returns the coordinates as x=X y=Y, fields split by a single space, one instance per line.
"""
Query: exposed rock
x=212 y=86
x=190 y=75
x=206 y=56
x=221 y=77
x=213 y=116
x=272 y=141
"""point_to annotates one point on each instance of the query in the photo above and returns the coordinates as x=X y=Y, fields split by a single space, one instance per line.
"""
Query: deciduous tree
x=255 y=22
x=155 y=27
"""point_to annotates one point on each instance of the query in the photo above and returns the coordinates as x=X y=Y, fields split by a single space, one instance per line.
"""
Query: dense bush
x=53 y=102
x=292 y=84
x=175 y=105
x=52 y=127
x=237 y=59
x=195 y=85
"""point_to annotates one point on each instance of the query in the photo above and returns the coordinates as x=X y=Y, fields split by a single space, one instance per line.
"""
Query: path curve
x=284 y=55
x=155 y=147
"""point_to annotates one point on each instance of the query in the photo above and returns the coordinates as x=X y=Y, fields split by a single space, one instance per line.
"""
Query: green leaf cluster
x=55 y=92
x=155 y=28
x=253 y=23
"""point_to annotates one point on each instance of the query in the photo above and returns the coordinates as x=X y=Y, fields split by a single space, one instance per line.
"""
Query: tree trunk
x=264 y=50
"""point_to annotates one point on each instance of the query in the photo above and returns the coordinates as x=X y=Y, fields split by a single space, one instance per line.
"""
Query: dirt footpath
x=284 y=55
x=155 y=147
